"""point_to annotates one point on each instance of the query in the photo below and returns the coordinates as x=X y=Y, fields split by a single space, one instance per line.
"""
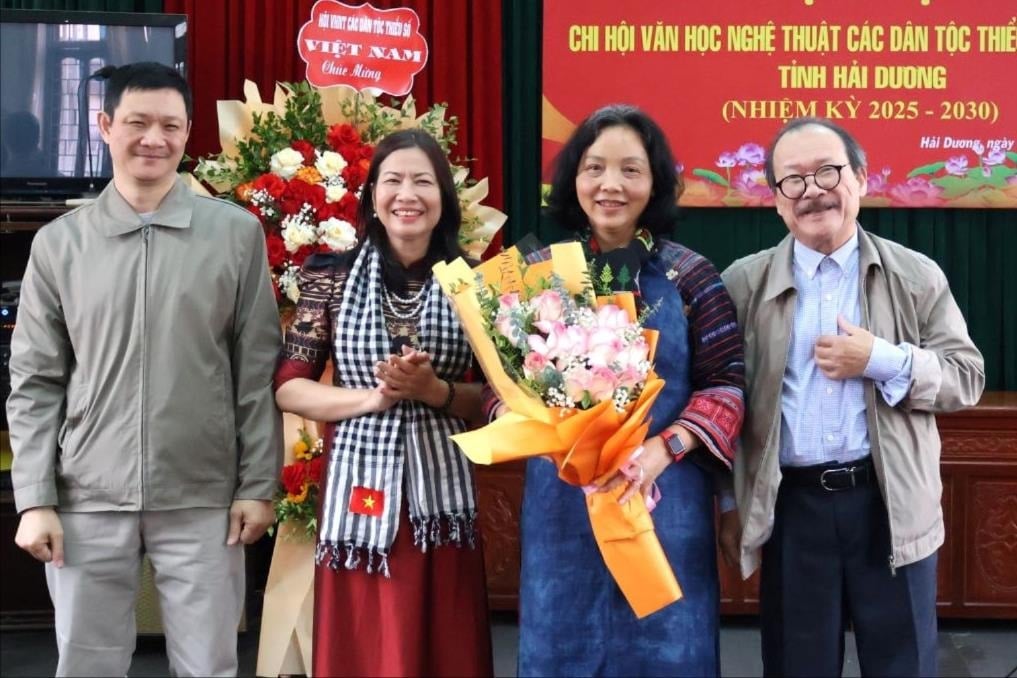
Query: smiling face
x=407 y=198
x=146 y=137
x=613 y=185
x=822 y=220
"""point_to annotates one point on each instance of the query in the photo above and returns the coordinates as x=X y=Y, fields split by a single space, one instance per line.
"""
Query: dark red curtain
x=234 y=40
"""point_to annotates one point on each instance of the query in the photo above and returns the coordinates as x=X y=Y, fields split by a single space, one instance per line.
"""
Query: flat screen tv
x=50 y=146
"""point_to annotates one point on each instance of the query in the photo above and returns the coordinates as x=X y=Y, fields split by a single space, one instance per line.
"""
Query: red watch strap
x=673 y=443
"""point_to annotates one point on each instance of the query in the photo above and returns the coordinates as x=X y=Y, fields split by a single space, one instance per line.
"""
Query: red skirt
x=428 y=619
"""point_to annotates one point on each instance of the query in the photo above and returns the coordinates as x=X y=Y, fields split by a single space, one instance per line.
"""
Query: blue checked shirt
x=823 y=420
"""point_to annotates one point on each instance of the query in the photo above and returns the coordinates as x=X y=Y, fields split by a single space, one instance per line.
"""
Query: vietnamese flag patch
x=367 y=502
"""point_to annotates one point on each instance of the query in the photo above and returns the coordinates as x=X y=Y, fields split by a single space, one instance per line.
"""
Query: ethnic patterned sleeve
x=309 y=337
x=717 y=404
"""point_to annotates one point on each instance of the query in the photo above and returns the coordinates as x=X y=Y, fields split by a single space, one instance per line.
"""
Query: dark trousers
x=827 y=563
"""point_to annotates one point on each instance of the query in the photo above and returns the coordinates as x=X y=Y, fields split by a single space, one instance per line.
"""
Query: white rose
x=334 y=192
x=339 y=235
x=288 y=284
x=296 y=233
x=286 y=162
x=330 y=164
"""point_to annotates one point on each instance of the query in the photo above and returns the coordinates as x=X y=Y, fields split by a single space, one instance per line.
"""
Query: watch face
x=674 y=444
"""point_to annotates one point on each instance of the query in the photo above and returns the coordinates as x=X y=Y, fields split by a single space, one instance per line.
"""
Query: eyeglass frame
x=805 y=184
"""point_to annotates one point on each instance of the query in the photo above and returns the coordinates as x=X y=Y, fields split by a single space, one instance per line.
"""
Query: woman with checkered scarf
x=399 y=582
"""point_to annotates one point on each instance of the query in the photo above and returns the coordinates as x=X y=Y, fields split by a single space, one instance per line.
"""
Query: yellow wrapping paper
x=587 y=446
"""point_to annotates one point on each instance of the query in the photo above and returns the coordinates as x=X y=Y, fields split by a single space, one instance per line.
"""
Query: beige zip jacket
x=142 y=360
x=905 y=298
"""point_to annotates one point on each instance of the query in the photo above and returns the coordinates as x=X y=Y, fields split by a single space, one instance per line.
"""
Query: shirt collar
x=809 y=259
x=118 y=217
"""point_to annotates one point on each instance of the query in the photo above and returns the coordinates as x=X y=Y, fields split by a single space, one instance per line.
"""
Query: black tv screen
x=49 y=139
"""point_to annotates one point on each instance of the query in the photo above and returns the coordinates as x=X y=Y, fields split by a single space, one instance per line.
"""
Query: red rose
x=298 y=193
x=347 y=207
x=340 y=135
x=293 y=478
x=354 y=175
x=316 y=468
x=329 y=210
x=306 y=149
x=366 y=152
x=302 y=253
x=276 y=250
x=273 y=184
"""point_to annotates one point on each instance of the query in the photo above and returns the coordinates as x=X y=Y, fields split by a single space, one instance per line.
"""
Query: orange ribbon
x=587 y=446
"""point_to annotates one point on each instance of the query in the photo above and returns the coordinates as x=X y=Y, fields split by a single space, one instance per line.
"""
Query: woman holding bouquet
x=615 y=186
x=399 y=583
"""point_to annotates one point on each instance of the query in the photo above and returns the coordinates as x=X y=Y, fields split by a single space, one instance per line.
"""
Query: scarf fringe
x=457 y=529
x=350 y=556
x=447 y=528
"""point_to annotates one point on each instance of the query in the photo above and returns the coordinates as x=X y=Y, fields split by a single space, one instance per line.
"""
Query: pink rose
x=599 y=383
x=603 y=381
x=603 y=347
x=503 y=320
x=633 y=354
x=611 y=317
x=560 y=342
x=630 y=377
x=534 y=364
x=573 y=343
x=547 y=305
x=577 y=381
x=507 y=302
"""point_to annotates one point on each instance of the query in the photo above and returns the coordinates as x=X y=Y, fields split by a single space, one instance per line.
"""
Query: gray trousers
x=199 y=580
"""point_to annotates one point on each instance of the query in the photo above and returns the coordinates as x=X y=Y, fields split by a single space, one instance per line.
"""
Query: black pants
x=826 y=563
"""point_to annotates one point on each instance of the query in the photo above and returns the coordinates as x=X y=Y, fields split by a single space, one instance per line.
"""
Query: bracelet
x=443 y=408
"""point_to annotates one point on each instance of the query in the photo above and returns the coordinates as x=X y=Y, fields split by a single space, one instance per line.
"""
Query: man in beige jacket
x=852 y=344
x=141 y=414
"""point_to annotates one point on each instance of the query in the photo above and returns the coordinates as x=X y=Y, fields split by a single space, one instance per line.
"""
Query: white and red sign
x=363 y=47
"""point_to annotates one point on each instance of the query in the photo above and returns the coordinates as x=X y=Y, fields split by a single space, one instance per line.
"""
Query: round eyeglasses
x=793 y=186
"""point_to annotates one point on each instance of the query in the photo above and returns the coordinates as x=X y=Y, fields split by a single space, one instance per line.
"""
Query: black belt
x=831 y=477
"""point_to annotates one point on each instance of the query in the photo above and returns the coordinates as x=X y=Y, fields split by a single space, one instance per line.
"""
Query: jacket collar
x=116 y=217
x=868 y=252
x=781 y=277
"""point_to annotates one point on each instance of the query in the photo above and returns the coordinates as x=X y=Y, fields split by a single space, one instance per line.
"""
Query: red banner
x=362 y=47
x=926 y=86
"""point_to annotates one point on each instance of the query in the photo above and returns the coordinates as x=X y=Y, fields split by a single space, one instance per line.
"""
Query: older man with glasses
x=852 y=344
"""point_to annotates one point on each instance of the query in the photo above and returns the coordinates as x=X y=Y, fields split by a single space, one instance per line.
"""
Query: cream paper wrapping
x=287 y=615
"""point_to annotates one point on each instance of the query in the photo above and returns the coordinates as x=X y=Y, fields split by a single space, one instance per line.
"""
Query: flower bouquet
x=284 y=647
x=297 y=498
x=299 y=164
x=575 y=370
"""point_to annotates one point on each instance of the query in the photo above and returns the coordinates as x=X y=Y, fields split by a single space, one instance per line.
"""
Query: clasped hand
x=409 y=376
x=844 y=356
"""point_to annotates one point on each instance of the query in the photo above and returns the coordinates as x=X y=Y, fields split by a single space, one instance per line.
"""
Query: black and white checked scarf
x=408 y=440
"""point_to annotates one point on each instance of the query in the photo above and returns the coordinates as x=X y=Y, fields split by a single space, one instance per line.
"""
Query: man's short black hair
x=855 y=152
x=144 y=75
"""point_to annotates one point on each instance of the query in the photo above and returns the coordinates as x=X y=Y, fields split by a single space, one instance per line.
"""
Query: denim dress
x=574 y=620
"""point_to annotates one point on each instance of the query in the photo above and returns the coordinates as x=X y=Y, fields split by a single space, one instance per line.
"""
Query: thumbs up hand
x=844 y=356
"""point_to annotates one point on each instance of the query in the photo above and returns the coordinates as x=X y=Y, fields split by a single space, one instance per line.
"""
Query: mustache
x=816 y=205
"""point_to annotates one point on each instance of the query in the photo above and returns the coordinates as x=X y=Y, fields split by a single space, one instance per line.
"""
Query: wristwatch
x=673 y=443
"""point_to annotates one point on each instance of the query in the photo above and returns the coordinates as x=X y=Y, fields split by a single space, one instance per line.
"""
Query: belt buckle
x=850 y=471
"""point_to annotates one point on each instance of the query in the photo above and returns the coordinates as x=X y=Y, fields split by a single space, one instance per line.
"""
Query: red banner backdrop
x=927 y=86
